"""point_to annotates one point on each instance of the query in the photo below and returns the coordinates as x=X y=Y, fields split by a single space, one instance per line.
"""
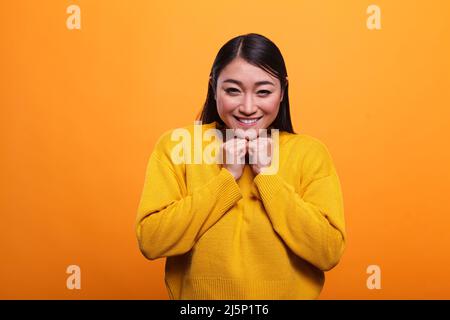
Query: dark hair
x=261 y=52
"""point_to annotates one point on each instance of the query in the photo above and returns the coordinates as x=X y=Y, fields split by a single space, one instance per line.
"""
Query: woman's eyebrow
x=259 y=83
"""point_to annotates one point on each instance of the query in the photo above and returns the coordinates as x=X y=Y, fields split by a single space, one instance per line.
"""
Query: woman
x=230 y=230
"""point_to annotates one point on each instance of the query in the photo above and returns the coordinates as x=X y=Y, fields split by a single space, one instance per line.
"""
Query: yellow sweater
x=258 y=237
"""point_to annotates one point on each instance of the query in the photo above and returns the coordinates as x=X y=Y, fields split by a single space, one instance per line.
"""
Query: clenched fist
x=234 y=151
x=259 y=150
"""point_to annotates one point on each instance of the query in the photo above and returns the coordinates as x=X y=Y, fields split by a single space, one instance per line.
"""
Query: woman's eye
x=234 y=91
x=231 y=90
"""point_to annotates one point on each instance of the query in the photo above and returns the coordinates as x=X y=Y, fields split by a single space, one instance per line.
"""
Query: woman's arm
x=169 y=223
x=312 y=225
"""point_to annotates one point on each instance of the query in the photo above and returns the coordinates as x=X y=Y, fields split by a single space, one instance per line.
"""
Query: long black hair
x=261 y=52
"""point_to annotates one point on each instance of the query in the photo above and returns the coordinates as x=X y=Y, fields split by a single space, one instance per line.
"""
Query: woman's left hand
x=260 y=153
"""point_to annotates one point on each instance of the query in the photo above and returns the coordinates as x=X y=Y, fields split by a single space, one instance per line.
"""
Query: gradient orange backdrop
x=82 y=109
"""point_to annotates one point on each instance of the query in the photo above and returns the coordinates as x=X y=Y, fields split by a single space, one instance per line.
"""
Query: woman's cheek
x=270 y=105
x=228 y=103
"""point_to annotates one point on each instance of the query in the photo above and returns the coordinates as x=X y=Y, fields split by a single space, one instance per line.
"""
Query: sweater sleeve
x=169 y=222
x=311 y=225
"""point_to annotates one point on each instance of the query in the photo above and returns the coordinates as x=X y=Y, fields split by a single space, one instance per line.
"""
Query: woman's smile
x=247 y=122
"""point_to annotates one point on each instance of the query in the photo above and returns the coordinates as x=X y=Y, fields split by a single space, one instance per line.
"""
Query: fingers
x=241 y=147
x=235 y=150
x=260 y=150
x=249 y=134
x=260 y=144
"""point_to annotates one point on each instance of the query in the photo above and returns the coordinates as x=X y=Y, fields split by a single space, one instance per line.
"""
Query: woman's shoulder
x=172 y=137
x=302 y=141
x=312 y=152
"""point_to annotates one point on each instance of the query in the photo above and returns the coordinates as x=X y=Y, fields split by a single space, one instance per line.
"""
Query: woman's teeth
x=248 y=121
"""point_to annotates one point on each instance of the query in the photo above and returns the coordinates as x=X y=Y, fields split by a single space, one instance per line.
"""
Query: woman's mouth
x=247 y=122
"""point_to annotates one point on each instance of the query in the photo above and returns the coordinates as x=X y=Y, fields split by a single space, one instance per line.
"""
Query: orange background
x=82 y=109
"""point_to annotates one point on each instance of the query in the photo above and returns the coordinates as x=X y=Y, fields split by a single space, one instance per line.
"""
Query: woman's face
x=247 y=96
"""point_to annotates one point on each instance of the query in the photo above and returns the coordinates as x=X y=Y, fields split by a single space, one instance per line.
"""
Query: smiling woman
x=235 y=230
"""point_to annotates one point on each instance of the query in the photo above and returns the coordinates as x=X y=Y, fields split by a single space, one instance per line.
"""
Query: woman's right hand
x=234 y=151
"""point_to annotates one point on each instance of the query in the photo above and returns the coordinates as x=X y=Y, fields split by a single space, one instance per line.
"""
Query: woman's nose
x=248 y=107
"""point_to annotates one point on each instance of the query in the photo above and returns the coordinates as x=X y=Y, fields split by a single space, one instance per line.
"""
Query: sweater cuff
x=268 y=185
x=227 y=189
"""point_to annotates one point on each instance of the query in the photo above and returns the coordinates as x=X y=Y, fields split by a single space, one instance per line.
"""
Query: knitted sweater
x=258 y=237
